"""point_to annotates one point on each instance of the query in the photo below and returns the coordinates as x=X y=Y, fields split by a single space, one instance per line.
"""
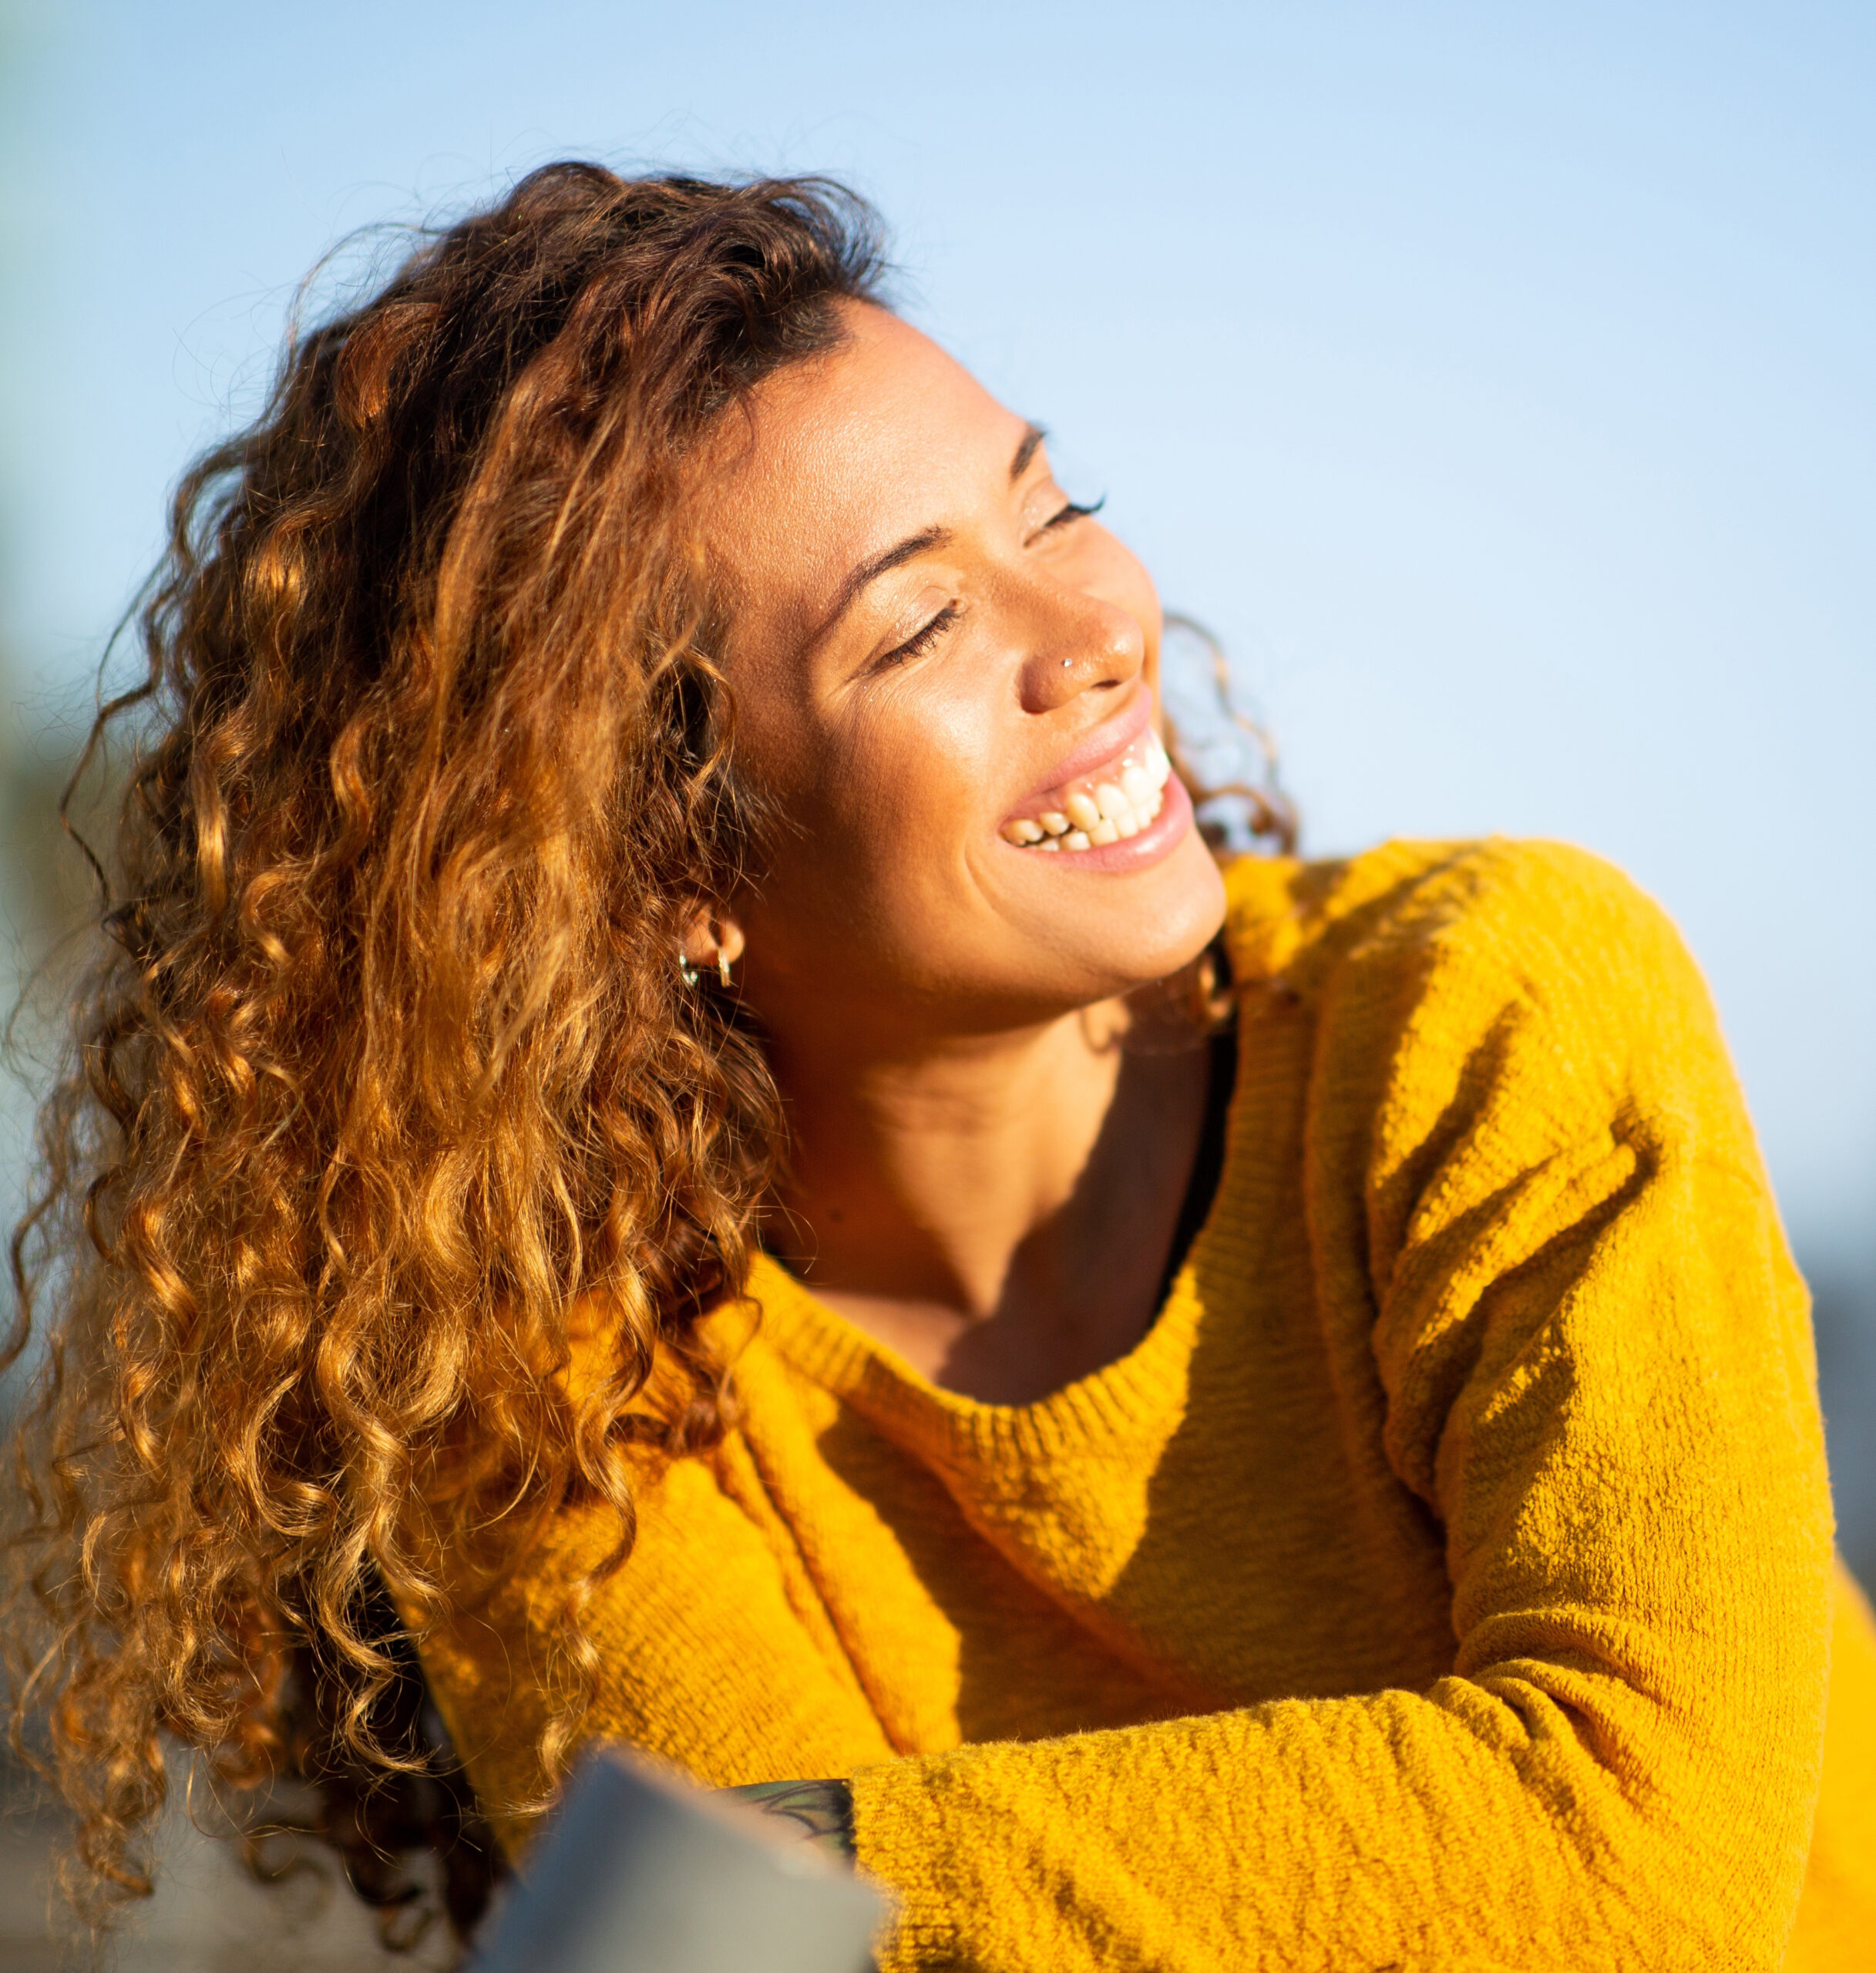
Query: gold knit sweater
x=1443 y=1581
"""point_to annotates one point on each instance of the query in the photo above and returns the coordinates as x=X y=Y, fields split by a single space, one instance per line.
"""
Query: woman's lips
x=1122 y=796
x=1155 y=842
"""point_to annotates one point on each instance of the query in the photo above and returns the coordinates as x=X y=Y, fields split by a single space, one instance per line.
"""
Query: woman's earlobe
x=714 y=938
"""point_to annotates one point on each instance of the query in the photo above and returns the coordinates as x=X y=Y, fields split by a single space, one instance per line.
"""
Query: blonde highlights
x=385 y=1064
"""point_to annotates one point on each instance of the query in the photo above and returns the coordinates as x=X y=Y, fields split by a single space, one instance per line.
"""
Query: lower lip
x=1153 y=844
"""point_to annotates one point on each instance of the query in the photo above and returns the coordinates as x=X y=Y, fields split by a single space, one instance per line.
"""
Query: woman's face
x=945 y=678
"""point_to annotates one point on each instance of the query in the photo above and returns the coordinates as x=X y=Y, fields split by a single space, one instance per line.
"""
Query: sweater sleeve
x=1533 y=1188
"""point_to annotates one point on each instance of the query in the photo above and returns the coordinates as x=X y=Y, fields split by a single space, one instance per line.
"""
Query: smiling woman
x=677 y=1137
x=904 y=706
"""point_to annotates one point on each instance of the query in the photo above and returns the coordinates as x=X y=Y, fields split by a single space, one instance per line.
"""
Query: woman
x=680 y=1118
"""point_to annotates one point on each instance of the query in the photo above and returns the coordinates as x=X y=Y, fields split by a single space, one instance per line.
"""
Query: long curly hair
x=385 y=1067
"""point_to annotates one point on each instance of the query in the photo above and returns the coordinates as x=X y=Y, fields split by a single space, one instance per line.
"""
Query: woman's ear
x=712 y=941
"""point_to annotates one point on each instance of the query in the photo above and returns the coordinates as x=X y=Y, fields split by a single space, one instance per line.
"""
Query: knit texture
x=1444 y=1581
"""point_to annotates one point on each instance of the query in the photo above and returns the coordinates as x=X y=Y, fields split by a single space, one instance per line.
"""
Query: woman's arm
x=1533 y=1189
x=823 y=1811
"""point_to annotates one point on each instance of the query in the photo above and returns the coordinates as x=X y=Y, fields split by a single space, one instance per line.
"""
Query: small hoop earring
x=723 y=967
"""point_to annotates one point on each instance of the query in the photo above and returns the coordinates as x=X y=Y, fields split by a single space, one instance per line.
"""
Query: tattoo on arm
x=821 y=1811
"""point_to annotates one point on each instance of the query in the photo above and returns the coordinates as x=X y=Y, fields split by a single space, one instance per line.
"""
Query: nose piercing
x=1066 y=662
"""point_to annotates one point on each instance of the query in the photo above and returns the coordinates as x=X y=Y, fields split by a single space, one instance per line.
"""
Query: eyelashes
x=922 y=641
x=1073 y=511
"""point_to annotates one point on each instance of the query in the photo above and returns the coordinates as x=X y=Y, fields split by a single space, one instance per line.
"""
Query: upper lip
x=1103 y=743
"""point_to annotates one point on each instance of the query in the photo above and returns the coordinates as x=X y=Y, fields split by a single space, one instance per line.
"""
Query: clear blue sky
x=1499 y=379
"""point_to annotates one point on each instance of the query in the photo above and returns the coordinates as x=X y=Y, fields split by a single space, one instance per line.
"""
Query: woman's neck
x=997 y=1209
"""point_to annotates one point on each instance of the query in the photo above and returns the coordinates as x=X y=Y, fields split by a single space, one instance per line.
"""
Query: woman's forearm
x=821 y=1811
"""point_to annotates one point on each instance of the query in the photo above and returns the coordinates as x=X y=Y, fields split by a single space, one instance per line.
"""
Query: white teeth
x=1114 y=810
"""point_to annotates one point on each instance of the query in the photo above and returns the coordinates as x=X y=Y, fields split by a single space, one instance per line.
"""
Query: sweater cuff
x=898 y=1818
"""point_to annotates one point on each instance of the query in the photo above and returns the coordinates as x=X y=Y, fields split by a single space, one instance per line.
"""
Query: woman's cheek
x=947 y=751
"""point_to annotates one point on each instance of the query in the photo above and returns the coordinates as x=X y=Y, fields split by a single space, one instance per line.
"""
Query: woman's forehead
x=882 y=436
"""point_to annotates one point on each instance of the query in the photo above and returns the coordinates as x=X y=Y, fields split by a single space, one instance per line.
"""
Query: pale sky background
x=1499 y=380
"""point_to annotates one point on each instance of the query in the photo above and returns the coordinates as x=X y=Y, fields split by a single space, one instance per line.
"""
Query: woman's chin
x=1116 y=936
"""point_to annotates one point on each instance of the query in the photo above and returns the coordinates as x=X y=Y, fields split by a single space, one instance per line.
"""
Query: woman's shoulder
x=1539 y=956
x=1531 y=912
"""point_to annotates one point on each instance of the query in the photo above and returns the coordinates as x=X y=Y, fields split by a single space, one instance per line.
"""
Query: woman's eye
x=1071 y=511
x=921 y=641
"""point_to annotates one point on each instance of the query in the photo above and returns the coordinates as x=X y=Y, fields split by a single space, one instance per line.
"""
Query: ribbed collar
x=1108 y=1410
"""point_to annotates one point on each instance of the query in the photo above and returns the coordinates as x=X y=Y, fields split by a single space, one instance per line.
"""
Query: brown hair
x=387 y=1063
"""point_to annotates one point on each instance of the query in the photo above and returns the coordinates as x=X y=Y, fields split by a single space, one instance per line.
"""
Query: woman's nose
x=1084 y=644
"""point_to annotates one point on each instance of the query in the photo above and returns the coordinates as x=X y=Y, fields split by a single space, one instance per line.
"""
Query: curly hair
x=385 y=1067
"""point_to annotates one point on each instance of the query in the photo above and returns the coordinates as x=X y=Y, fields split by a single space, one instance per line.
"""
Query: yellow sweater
x=1445 y=1580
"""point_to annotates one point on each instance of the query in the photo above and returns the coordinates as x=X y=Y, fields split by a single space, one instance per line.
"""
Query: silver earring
x=685 y=971
x=723 y=967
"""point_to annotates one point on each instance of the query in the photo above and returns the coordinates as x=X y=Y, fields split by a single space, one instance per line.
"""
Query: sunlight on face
x=946 y=681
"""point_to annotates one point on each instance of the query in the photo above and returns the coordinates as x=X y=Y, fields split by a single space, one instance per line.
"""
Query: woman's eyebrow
x=875 y=565
x=1033 y=436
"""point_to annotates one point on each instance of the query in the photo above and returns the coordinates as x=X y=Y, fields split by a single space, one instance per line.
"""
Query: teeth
x=1110 y=810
